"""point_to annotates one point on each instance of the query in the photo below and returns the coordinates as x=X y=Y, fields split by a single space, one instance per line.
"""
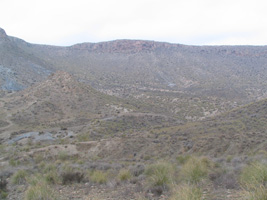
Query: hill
x=241 y=131
x=96 y=120
x=60 y=101
x=231 y=72
x=189 y=83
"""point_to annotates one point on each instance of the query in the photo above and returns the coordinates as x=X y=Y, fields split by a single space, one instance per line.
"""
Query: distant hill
x=127 y=66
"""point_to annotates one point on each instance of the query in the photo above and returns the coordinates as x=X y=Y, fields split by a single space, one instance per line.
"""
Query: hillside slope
x=60 y=100
x=241 y=131
x=19 y=68
x=128 y=66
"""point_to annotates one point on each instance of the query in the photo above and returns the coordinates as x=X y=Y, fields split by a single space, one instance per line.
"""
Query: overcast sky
x=192 y=22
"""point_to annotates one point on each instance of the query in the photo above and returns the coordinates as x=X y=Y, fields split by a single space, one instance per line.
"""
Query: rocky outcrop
x=124 y=46
x=3 y=35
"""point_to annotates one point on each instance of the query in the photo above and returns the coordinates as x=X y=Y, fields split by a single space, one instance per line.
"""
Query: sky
x=190 y=22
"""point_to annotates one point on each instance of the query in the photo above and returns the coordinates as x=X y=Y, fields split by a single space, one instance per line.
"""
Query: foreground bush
x=40 y=191
x=187 y=192
x=254 y=174
x=253 y=179
x=195 y=170
x=160 y=174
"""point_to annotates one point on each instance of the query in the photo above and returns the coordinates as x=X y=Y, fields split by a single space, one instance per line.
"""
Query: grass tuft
x=19 y=177
x=124 y=175
x=98 y=177
x=187 y=192
x=195 y=170
x=253 y=179
x=254 y=174
x=160 y=174
x=40 y=190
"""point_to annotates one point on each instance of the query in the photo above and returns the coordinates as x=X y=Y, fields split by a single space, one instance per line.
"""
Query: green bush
x=187 y=192
x=41 y=191
x=253 y=179
x=195 y=170
x=254 y=174
x=98 y=177
x=49 y=167
x=51 y=177
x=160 y=174
x=19 y=177
x=124 y=175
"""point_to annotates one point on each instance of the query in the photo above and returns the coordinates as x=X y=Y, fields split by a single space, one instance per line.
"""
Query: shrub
x=253 y=178
x=160 y=174
x=41 y=191
x=19 y=177
x=195 y=169
x=50 y=173
x=124 y=174
x=187 y=192
x=98 y=177
x=69 y=177
x=254 y=174
x=51 y=177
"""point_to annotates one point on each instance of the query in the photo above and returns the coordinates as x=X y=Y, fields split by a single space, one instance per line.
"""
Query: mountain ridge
x=238 y=72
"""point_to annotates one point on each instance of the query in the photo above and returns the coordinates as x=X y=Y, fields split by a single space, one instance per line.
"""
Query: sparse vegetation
x=41 y=190
x=13 y=162
x=253 y=178
x=98 y=176
x=19 y=177
x=145 y=106
x=186 y=192
x=254 y=174
x=182 y=159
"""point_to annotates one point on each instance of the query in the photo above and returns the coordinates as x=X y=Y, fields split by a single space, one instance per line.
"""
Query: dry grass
x=160 y=174
x=187 y=192
x=195 y=170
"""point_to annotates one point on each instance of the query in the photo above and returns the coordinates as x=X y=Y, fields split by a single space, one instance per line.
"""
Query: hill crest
x=3 y=35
